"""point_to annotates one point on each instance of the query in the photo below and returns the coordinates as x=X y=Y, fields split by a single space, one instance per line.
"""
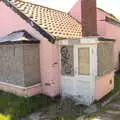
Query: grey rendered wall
x=105 y=58
x=67 y=60
x=31 y=64
x=11 y=64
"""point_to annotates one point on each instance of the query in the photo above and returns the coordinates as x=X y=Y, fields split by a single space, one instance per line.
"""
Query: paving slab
x=113 y=112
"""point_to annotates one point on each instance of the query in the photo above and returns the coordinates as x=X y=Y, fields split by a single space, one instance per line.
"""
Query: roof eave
x=20 y=42
x=106 y=39
x=32 y=23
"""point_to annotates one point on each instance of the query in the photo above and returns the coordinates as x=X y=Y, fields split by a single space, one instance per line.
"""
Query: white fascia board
x=89 y=40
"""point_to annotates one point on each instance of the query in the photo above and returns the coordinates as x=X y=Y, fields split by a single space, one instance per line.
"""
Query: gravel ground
x=64 y=110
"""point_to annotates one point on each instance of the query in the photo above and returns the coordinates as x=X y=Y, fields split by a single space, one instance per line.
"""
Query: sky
x=111 y=6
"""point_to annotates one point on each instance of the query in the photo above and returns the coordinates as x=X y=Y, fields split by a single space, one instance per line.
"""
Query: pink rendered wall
x=100 y=22
x=76 y=11
x=103 y=85
x=49 y=64
x=9 y=22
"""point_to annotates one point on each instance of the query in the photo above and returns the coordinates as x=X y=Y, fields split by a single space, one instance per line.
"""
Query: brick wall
x=88 y=17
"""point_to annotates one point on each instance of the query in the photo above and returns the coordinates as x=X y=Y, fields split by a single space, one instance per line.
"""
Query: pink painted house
x=55 y=53
x=47 y=26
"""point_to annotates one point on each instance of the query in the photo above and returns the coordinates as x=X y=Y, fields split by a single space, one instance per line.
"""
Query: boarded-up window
x=83 y=61
x=67 y=62
x=105 y=58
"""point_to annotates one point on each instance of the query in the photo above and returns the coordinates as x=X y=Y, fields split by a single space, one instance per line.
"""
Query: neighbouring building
x=47 y=51
x=107 y=26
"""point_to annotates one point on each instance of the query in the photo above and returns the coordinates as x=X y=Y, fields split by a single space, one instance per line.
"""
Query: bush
x=5 y=117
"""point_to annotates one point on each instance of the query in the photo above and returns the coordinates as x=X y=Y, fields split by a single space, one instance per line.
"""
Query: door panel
x=83 y=61
x=85 y=80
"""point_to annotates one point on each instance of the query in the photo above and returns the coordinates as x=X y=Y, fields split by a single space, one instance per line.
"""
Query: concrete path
x=65 y=108
x=112 y=111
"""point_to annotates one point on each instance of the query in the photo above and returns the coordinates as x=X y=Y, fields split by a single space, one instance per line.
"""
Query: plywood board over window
x=67 y=62
x=83 y=61
x=105 y=58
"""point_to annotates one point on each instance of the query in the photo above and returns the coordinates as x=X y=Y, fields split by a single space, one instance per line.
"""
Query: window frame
x=111 y=21
x=76 y=62
x=88 y=64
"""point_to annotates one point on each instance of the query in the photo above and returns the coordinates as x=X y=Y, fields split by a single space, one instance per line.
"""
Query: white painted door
x=85 y=80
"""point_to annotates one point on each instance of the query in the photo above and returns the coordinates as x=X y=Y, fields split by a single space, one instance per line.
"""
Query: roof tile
x=56 y=23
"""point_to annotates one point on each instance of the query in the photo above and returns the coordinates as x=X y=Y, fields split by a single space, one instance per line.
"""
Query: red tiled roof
x=58 y=24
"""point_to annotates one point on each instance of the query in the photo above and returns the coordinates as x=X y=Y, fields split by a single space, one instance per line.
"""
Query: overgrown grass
x=117 y=82
x=20 y=106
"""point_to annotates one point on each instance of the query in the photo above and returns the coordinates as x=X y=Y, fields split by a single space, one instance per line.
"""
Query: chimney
x=89 y=17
